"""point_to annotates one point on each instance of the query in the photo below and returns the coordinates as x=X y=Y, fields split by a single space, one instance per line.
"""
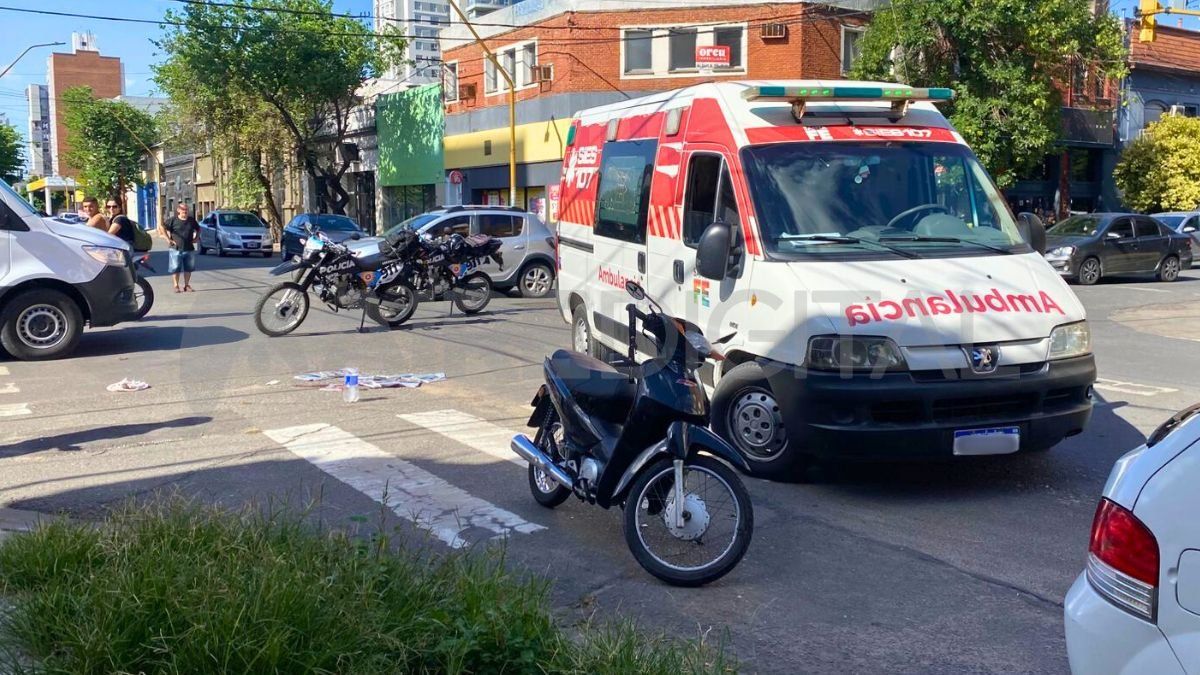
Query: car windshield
x=1076 y=225
x=415 y=223
x=241 y=220
x=16 y=200
x=1171 y=221
x=819 y=199
x=331 y=223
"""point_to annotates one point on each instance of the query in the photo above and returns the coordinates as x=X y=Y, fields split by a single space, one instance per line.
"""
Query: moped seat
x=597 y=387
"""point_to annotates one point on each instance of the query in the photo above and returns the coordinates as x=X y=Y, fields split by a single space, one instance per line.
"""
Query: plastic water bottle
x=350 y=390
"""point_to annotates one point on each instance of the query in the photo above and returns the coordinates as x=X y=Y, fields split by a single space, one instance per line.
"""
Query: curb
x=17 y=520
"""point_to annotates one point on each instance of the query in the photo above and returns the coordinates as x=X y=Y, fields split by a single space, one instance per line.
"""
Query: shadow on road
x=187 y=317
x=71 y=441
x=132 y=338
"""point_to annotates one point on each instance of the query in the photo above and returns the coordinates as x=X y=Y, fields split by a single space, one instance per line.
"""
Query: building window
x=1099 y=78
x=518 y=61
x=730 y=36
x=489 y=76
x=638 y=43
x=450 y=81
x=682 y=49
x=851 y=47
x=528 y=63
x=1078 y=79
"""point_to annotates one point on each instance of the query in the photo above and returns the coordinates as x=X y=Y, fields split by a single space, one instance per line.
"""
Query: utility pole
x=27 y=50
x=512 y=105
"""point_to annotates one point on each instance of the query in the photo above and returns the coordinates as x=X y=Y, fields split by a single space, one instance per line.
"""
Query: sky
x=129 y=41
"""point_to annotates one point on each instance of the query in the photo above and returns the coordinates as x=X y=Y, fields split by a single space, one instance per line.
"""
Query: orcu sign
x=714 y=56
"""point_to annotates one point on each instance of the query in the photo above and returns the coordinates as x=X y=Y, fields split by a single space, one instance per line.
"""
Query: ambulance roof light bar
x=799 y=96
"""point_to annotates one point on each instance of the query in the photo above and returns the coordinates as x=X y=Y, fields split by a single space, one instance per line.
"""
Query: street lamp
x=27 y=50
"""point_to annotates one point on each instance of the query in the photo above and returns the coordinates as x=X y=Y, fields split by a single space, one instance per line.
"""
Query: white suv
x=1136 y=606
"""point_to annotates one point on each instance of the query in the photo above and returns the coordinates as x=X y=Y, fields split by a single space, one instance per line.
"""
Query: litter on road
x=333 y=380
x=127 y=384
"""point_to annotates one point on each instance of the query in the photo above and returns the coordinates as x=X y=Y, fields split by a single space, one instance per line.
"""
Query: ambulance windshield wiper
x=946 y=240
x=845 y=239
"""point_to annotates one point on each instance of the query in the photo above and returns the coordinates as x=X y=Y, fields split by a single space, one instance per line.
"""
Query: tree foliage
x=1006 y=61
x=293 y=72
x=12 y=156
x=1160 y=171
x=108 y=140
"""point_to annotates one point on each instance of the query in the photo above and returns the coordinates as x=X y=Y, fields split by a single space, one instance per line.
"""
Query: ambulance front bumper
x=915 y=415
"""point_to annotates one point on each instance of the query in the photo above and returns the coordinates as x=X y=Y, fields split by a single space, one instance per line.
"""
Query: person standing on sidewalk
x=119 y=224
x=91 y=210
x=182 y=231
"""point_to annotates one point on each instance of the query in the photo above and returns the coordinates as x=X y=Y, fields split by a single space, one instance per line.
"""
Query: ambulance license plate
x=994 y=441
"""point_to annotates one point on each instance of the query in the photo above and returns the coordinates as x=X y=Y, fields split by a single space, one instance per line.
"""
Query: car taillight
x=1123 y=560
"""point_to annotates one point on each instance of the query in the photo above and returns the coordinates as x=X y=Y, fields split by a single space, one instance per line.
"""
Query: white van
x=883 y=300
x=54 y=277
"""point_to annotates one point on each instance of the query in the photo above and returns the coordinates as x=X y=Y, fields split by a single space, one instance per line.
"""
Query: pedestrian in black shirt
x=182 y=231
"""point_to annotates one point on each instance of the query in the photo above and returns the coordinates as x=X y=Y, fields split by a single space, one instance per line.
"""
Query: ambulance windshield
x=845 y=198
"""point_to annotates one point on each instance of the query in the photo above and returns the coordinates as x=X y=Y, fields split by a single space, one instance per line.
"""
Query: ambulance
x=877 y=297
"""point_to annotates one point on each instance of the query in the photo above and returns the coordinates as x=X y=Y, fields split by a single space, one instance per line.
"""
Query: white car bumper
x=1104 y=639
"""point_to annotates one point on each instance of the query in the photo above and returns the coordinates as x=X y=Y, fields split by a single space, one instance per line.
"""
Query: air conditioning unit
x=1178 y=110
x=774 y=31
x=543 y=73
x=466 y=91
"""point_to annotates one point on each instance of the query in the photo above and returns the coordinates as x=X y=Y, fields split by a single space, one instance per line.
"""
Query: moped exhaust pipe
x=530 y=453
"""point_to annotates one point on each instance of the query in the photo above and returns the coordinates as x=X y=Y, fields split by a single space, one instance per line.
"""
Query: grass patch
x=177 y=588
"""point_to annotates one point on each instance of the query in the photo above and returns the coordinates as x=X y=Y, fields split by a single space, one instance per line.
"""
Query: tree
x=1160 y=170
x=12 y=156
x=1006 y=61
x=108 y=141
x=292 y=60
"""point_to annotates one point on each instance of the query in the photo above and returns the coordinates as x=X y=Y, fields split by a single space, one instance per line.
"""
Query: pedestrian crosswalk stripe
x=1131 y=388
x=10 y=388
x=14 y=409
x=470 y=431
x=448 y=512
x=3 y=370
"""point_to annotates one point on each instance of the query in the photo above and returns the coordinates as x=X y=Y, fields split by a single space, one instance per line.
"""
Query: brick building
x=83 y=67
x=567 y=55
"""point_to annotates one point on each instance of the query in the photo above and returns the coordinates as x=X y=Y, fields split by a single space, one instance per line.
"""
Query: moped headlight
x=1071 y=339
x=853 y=352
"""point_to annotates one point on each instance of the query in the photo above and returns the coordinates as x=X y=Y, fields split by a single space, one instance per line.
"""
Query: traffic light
x=1148 y=17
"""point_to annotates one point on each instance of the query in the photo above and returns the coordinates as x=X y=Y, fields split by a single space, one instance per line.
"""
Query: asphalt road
x=934 y=567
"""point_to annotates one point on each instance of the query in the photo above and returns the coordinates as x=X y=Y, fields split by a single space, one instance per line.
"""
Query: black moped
x=640 y=440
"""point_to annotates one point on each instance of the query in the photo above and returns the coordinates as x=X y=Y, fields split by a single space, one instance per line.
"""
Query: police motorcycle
x=436 y=268
x=640 y=440
x=342 y=278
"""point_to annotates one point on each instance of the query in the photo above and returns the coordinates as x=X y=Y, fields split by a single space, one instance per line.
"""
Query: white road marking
x=1143 y=288
x=1131 y=388
x=10 y=388
x=3 y=370
x=469 y=431
x=14 y=409
x=409 y=491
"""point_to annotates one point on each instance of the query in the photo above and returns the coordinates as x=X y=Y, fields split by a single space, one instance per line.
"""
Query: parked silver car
x=528 y=250
x=1184 y=222
x=235 y=232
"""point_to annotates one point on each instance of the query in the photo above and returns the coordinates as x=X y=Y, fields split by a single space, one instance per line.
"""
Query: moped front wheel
x=281 y=309
x=696 y=539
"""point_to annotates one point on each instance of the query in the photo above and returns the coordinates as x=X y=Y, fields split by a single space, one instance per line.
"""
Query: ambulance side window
x=700 y=200
x=623 y=195
x=709 y=197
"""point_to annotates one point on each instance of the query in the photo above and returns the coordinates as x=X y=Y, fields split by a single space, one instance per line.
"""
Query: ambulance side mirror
x=1033 y=230
x=714 y=250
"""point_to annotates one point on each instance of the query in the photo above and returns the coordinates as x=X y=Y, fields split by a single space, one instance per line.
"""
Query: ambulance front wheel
x=745 y=413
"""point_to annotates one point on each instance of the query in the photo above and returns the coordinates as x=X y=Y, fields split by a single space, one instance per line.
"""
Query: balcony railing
x=1084 y=125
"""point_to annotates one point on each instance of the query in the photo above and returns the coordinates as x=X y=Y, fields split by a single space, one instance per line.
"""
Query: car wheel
x=537 y=280
x=1168 y=269
x=1090 y=272
x=745 y=413
x=40 y=324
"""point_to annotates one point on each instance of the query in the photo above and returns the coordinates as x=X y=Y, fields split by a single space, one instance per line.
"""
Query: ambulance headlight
x=853 y=352
x=1071 y=339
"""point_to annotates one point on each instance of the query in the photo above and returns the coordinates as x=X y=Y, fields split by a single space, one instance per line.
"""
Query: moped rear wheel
x=718 y=520
x=546 y=491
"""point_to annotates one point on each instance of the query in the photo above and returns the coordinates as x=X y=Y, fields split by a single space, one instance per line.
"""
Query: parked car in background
x=1087 y=247
x=1184 y=222
x=1136 y=606
x=527 y=250
x=235 y=232
x=70 y=217
x=295 y=233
